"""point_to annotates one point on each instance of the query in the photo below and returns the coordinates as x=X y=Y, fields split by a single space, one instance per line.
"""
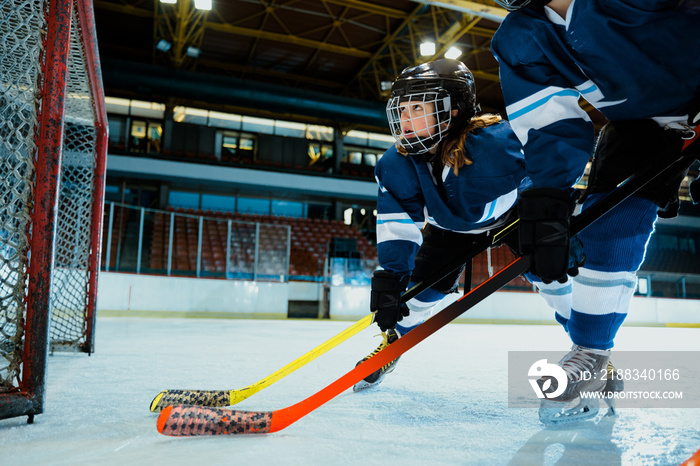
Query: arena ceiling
x=338 y=47
x=349 y=48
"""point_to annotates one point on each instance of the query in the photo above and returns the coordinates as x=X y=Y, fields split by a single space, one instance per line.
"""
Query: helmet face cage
x=426 y=117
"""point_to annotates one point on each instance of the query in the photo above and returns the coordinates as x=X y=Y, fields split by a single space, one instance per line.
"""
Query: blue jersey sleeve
x=543 y=106
x=400 y=213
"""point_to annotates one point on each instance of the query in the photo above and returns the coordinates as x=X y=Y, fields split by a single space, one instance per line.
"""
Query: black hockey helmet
x=446 y=83
x=444 y=76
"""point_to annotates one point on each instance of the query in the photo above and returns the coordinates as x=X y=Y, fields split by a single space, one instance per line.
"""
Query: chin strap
x=422 y=147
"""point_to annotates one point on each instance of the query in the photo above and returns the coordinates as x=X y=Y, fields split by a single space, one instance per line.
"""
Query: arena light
x=453 y=53
x=202 y=4
x=427 y=49
x=163 y=45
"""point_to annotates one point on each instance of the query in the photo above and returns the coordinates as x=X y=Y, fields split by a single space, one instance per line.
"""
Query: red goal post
x=53 y=135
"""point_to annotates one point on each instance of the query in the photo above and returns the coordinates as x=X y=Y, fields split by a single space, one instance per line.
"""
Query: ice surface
x=446 y=402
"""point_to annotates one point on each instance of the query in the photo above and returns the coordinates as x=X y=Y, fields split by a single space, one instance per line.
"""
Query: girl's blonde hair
x=453 y=151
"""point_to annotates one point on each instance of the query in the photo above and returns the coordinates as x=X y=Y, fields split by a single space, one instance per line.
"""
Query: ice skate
x=376 y=377
x=588 y=371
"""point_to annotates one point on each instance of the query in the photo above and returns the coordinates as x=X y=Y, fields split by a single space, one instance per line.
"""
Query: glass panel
x=258 y=125
x=116 y=241
x=272 y=247
x=247 y=144
x=230 y=141
x=382 y=141
x=253 y=206
x=143 y=109
x=116 y=105
x=184 y=199
x=138 y=129
x=242 y=247
x=155 y=133
x=185 y=241
x=213 y=263
x=356 y=137
x=272 y=253
x=154 y=248
x=229 y=145
x=225 y=120
x=288 y=209
x=290 y=129
x=117 y=131
x=348 y=271
x=218 y=203
x=138 y=142
x=191 y=115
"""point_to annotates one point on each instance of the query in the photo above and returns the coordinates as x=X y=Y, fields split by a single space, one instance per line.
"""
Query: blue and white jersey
x=409 y=195
x=631 y=59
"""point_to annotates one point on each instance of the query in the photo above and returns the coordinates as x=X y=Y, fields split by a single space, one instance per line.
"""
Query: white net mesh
x=21 y=24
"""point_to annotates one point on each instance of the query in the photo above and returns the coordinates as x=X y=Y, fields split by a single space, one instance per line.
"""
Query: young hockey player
x=636 y=61
x=450 y=170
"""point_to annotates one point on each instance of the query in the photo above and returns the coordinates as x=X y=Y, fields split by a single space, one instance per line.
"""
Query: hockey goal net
x=52 y=163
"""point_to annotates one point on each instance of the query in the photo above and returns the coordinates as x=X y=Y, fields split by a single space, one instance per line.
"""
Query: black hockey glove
x=544 y=231
x=385 y=299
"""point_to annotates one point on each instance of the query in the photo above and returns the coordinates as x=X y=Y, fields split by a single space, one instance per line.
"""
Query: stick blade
x=210 y=398
x=189 y=421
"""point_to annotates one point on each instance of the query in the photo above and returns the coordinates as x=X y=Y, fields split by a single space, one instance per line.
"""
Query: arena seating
x=308 y=246
x=310 y=240
x=119 y=222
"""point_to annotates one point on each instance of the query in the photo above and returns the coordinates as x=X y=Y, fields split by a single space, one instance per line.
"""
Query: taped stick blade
x=187 y=421
x=211 y=398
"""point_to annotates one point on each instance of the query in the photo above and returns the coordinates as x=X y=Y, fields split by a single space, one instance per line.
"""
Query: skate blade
x=363 y=385
x=556 y=413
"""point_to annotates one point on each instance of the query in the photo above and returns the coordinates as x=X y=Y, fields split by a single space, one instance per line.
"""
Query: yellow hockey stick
x=220 y=398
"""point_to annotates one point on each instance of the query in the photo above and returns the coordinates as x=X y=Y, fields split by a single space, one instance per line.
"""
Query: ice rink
x=446 y=402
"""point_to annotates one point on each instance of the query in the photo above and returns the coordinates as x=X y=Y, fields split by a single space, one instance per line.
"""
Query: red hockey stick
x=195 y=420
